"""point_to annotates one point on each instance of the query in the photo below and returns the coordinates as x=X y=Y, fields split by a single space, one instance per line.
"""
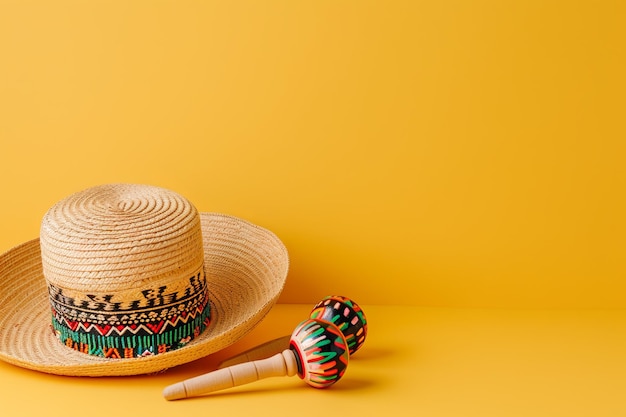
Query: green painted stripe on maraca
x=327 y=356
x=316 y=333
x=361 y=316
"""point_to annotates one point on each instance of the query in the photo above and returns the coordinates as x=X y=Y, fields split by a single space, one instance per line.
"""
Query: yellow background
x=457 y=167
x=416 y=361
x=440 y=153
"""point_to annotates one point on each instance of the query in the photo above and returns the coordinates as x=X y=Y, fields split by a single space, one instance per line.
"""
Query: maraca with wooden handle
x=342 y=311
x=317 y=353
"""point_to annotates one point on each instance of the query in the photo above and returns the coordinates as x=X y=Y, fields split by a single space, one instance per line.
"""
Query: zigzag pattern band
x=173 y=335
x=160 y=321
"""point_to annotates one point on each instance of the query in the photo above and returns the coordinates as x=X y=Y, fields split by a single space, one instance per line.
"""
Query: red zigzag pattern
x=151 y=328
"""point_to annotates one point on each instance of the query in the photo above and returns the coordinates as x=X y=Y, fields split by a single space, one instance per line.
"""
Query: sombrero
x=129 y=279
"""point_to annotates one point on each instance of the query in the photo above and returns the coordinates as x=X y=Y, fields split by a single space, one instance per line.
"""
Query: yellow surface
x=463 y=153
x=434 y=153
x=415 y=362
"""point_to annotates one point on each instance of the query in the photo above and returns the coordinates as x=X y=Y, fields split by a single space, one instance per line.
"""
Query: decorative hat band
x=155 y=320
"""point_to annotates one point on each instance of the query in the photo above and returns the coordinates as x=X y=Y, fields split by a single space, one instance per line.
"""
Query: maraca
x=343 y=312
x=346 y=315
x=318 y=353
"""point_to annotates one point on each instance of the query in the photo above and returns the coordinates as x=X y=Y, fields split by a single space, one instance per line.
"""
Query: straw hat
x=130 y=279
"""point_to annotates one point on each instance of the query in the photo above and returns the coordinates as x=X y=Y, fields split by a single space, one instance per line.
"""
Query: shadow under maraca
x=372 y=353
x=352 y=384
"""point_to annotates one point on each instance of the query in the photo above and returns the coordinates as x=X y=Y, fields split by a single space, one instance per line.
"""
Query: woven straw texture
x=246 y=268
x=117 y=238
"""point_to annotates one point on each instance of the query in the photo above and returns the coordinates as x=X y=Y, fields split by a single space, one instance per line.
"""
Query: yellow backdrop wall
x=442 y=153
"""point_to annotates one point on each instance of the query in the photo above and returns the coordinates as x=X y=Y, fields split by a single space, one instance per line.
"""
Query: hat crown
x=115 y=237
x=123 y=260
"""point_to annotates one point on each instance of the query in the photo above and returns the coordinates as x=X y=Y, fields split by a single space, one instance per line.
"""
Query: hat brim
x=246 y=268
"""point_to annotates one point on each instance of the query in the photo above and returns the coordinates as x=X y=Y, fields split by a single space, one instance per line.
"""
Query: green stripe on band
x=133 y=345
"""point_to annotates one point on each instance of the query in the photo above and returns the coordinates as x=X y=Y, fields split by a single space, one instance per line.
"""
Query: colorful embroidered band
x=161 y=321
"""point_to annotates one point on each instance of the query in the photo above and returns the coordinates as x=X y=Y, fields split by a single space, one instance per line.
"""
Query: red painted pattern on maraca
x=321 y=352
x=346 y=315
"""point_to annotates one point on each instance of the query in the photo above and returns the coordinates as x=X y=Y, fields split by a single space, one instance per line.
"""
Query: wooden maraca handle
x=281 y=364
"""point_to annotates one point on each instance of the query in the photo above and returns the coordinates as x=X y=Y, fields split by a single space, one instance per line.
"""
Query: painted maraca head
x=346 y=315
x=321 y=352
